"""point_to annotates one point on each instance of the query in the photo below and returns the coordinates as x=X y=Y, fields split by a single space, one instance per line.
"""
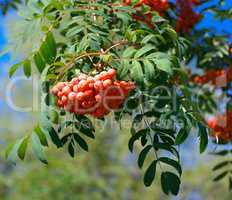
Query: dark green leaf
x=150 y=174
x=181 y=137
x=54 y=137
x=172 y=163
x=221 y=165
x=220 y=153
x=81 y=142
x=71 y=149
x=135 y=137
x=220 y=176
x=143 y=155
x=170 y=183
x=203 y=137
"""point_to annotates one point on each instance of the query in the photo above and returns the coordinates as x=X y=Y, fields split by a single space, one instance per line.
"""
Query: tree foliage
x=89 y=37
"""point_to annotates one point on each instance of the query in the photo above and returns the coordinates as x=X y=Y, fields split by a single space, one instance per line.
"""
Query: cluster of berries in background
x=186 y=19
x=222 y=126
x=218 y=77
x=187 y=16
x=93 y=95
x=155 y=5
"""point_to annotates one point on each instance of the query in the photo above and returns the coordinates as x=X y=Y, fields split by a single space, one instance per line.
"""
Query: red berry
x=64 y=99
x=75 y=88
x=82 y=85
x=55 y=90
x=98 y=85
x=98 y=98
x=107 y=83
x=72 y=96
x=112 y=72
x=80 y=96
x=66 y=90
x=60 y=85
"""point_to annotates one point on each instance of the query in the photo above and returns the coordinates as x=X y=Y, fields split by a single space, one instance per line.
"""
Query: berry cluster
x=155 y=5
x=222 y=126
x=95 y=96
x=187 y=17
x=216 y=77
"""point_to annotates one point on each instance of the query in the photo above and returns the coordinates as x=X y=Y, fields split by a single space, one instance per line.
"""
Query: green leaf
x=137 y=72
x=52 y=45
x=172 y=163
x=220 y=153
x=23 y=147
x=48 y=49
x=181 y=137
x=203 y=137
x=221 y=165
x=14 y=68
x=170 y=183
x=143 y=155
x=27 y=68
x=71 y=149
x=39 y=62
x=37 y=148
x=129 y=52
x=54 y=116
x=149 y=69
x=123 y=69
x=150 y=174
x=230 y=183
x=144 y=50
x=135 y=137
x=164 y=64
x=81 y=142
x=54 y=137
x=41 y=135
x=220 y=176
x=147 y=38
